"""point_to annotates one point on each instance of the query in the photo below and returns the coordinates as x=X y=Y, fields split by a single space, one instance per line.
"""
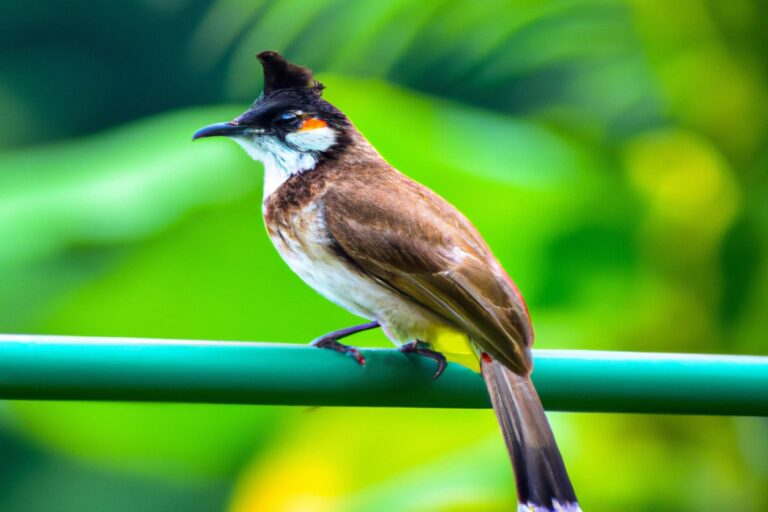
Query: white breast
x=312 y=258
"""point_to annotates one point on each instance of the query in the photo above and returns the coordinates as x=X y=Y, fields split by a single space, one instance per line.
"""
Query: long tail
x=542 y=481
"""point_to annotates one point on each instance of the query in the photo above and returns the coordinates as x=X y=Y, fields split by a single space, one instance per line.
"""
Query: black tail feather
x=542 y=481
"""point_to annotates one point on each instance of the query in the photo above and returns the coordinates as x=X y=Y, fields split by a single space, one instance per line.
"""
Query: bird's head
x=289 y=126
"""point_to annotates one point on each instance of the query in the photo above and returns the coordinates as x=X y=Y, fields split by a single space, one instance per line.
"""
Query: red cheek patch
x=312 y=123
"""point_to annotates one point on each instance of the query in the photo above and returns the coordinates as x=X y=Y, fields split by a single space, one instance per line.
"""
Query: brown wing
x=419 y=244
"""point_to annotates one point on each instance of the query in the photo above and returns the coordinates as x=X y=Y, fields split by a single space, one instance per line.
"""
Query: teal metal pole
x=73 y=368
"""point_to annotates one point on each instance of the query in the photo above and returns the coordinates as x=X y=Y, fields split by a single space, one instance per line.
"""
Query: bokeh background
x=612 y=152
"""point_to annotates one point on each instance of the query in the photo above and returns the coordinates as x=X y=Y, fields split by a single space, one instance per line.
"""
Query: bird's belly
x=332 y=278
x=307 y=248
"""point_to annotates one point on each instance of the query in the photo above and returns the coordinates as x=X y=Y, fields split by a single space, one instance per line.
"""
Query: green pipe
x=72 y=368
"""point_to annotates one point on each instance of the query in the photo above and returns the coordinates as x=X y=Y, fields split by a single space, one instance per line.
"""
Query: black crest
x=289 y=88
x=280 y=74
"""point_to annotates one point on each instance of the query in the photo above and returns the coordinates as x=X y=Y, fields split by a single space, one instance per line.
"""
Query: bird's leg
x=422 y=348
x=331 y=340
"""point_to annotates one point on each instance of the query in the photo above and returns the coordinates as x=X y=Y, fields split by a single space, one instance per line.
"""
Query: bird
x=393 y=252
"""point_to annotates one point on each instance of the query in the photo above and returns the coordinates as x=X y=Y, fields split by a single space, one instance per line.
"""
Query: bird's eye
x=287 y=118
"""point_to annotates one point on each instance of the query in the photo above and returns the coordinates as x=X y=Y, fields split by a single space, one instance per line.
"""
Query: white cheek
x=319 y=139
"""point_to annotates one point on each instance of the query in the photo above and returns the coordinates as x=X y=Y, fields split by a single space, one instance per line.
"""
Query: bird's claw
x=333 y=344
x=421 y=348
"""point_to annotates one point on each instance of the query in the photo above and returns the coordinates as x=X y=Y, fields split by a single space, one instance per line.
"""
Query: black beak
x=219 y=129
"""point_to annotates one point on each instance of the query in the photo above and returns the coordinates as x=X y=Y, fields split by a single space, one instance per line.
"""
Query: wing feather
x=420 y=245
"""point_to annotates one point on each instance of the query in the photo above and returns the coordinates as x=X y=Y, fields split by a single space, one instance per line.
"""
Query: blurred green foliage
x=613 y=153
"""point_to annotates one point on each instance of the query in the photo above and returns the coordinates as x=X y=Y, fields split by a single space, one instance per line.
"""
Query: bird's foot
x=331 y=340
x=422 y=348
x=333 y=344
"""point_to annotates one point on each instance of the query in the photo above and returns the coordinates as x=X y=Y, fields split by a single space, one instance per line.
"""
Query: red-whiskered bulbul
x=390 y=250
